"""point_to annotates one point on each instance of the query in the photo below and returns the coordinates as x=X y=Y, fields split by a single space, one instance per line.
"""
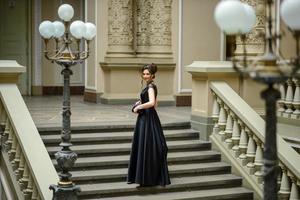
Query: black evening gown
x=148 y=159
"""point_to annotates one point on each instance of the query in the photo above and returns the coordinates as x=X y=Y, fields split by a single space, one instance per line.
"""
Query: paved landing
x=46 y=111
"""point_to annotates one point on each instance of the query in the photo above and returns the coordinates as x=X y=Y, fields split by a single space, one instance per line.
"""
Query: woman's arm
x=150 y=103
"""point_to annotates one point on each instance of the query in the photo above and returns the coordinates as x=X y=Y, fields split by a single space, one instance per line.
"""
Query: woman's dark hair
x=152 y=68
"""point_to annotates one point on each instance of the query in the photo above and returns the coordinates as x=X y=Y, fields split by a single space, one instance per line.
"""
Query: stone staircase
x=196 y=171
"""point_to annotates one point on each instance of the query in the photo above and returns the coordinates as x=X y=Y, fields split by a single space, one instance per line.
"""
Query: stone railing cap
x=11 y=66
x=210 y=67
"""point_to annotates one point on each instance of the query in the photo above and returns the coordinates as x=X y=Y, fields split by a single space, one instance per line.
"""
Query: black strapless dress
x=148 y=159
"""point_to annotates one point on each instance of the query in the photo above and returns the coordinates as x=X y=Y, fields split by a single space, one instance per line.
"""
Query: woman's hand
x=137 y=108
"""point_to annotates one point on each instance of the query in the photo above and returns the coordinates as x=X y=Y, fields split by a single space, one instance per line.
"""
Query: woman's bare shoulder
x=152 y=85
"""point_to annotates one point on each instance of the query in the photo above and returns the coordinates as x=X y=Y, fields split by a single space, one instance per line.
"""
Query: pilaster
x=139 y=32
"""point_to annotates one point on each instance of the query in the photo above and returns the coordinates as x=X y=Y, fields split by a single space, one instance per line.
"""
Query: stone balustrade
x=239 y=132
x=289 y=103
x=24 y=161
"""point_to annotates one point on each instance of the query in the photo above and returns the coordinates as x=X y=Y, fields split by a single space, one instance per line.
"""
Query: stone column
x=255 y=43
x=120 y=33
x=154 y=22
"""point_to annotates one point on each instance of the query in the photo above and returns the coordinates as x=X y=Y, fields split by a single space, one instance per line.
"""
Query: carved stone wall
x=154 y=25
x=120 y=35
x=139 y=26
x=254 y=40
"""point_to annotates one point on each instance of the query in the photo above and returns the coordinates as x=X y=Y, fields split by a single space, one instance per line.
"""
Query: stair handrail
x=240 y=132
x=23 y=151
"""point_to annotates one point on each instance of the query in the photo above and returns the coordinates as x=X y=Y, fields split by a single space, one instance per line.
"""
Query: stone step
x=188 y=145
x=109 y=137
x=233 y=193
x=110 y=126
x=122 y=161
x=115 y=189
x=120 y=174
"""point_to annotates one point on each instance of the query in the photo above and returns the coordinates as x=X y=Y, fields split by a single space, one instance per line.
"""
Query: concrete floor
x=46 y=111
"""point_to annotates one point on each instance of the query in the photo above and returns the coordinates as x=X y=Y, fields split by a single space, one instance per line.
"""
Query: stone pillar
x=203 y=72
x=255 y=43
x=120 y=33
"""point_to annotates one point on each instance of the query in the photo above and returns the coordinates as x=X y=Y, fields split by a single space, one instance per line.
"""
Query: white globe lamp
x=65 y=12
x=90 y=31
x=46 y=29
x=77 y=29
x=59 y=29
x=290 y=14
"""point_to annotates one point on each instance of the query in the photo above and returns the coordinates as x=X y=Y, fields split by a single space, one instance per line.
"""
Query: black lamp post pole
x=65 y=190
x=270 y=95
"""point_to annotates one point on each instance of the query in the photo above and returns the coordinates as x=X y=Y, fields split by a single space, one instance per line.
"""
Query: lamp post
x=237 y=18
x=65 y=56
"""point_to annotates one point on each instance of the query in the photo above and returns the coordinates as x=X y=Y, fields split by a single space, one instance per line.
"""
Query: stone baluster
x=21 y=168
x=28 y=191
x=13 y=149
x=235 y=137
x=296 y=100
x=35 y=195
x=251 y=150
x=295 y=190
x=258 y=161
x=23 y=182
x=222 y=121
x=215 y=114
x=7 y=136
x=243 y=146
x=228 y=129
x=281 y=106
x=289 y=98
x=285 y=189
x=16 y=161
x=279 y=177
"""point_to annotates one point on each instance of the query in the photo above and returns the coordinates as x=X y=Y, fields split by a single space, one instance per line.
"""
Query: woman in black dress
x=148 y=160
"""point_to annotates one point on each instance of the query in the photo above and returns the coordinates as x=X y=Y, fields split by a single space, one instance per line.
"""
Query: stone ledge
x=11 y=67
x=10 y=71
x=136 y=62
x=213 y=67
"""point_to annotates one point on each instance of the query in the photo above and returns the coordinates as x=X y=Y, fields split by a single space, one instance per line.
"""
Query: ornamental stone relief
x=152 y=19
x=154 y=23
x=120 y=22
x=255 y=39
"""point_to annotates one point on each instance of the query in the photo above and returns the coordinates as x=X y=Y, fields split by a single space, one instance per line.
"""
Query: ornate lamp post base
x=65 y=192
